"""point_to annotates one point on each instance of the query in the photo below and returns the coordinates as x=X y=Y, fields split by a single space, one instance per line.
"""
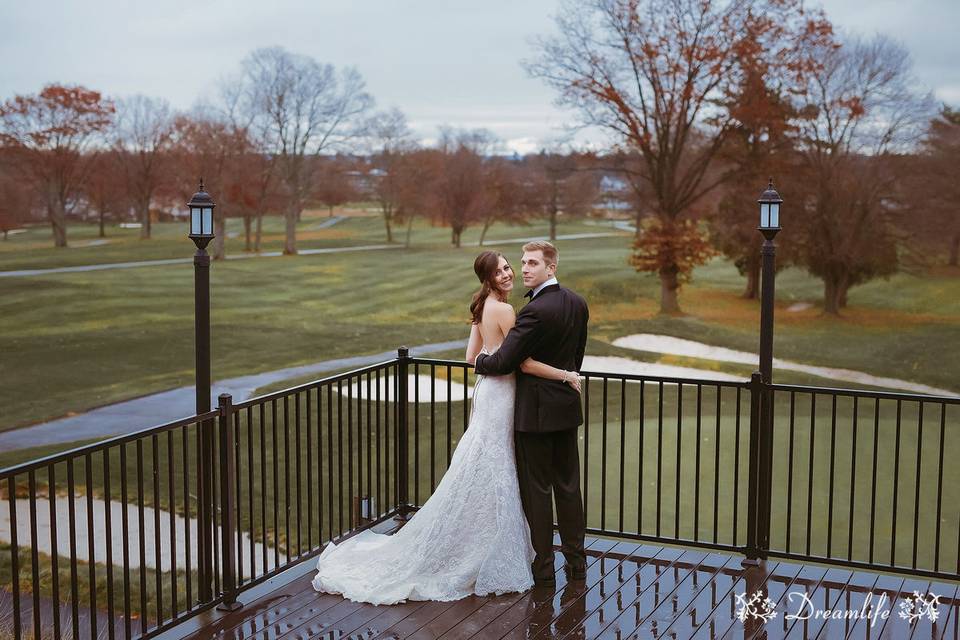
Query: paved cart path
x=166 y=406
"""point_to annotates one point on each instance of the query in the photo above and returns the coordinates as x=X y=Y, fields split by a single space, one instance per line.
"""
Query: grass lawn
x=79 y=340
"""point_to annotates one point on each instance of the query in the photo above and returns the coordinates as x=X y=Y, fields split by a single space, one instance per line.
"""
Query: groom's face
x=535 y=269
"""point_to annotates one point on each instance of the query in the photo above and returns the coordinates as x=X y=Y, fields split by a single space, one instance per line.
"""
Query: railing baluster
x=791 y=432
x=813 y=429
x=586 y=449
x=603 y=459
x=433 y=429
x=227 y=446
x=873 y=488
x=297 y=454
x=237 y=503
x=158 y=573
x=340 y=496
x=659 y=451
x=72 y=517
x=623 y=446
x=15 y=556
x=449 y=414
x=251 y=526
x=309 y=473
x=736 y=468
x=640 y=455
x=263 y=490
x=943 y=424
x=34 y=552
x=416 y=434
x=276 y=486
x=896 y=474
x=319 y=466
x=287 y=539
x=380 y=485
x=716 y=467
x=91 y=542
x=331 y=505
x=676 y=484
x=833 y=457
x=350 y=493
x=54 y=547
x=187 y=520
x=696 y=469
x=125 y=527
x=172 y=502
x=916 y=494
x=371 y=489
x=853 y=479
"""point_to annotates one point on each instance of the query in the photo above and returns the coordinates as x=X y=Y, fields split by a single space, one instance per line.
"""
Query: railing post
x=403 y=433
x=205 y=515
x=228 y=526
x=752 y=550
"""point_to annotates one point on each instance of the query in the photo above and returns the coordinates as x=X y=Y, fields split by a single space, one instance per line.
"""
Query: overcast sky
x=440 y=61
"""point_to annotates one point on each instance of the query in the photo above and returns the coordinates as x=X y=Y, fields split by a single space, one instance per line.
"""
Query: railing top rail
x=745 y=384
x=95 y=447
x=275 y=395
x=440 y=362
x=865 y=393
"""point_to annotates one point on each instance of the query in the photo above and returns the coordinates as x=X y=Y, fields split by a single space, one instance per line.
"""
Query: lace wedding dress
x=470 y=537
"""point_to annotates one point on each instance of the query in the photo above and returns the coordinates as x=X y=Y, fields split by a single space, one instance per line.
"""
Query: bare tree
x=855 y=112
x=144 y=134
x=51 y=137
x=556 y=184
x=655 y=74
x=300 y=108
x=390 y=139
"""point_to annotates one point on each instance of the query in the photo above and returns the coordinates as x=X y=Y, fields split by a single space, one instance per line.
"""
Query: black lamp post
x=201 y=232
x=770 y=202
x=761 y=412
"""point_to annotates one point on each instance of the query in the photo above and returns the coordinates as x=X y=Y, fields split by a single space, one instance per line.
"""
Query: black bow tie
x=529 y=294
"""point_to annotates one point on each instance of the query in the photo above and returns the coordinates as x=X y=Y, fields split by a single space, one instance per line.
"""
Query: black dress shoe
x=575 y=573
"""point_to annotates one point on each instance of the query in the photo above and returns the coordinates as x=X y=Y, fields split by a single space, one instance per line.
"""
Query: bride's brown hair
x=485 y=266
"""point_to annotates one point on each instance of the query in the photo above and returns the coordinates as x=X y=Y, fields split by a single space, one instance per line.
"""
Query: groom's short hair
x=550 y=253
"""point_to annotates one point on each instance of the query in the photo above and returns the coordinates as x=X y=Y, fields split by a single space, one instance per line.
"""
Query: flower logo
x=757 y=606
x=918 y=607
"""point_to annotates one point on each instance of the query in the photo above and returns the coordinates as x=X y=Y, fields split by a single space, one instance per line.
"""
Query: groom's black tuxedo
x=551 y=328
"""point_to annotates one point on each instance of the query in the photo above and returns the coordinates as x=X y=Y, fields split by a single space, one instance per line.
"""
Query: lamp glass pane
x=195 y=228
x=764 y=215
x=775 y=215
x=207 y=220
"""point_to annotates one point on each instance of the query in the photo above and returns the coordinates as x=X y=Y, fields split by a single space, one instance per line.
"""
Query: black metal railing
x=187 y=515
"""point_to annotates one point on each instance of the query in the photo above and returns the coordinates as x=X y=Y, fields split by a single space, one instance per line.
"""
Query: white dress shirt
x=540 y=288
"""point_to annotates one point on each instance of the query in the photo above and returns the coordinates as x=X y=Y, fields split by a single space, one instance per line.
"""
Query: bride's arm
x=474 y=344
x=542 y=370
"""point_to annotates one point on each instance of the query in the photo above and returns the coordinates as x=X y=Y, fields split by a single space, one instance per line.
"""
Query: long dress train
x=471 y=536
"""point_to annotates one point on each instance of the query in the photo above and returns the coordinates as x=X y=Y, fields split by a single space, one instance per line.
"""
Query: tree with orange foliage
x=656 y=74
x=51 y=136
x=105 y=188
x=556 y=184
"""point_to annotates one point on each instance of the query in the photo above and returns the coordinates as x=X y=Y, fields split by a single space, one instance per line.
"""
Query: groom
x=551 y=328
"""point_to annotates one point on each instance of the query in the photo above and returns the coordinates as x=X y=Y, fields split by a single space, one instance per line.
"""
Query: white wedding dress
x=470 y=537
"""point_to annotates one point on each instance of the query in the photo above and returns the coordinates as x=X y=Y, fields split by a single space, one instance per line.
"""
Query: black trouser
x=545 y=462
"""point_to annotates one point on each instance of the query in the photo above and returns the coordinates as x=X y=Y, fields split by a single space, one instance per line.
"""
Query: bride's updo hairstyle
x=485 y=266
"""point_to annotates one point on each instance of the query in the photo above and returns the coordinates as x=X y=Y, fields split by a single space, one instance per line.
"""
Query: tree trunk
x=831 y=296
x=486 y=227
x=330 y=215
x=290 y=242
x=145 y=222
x=752 y=292
x=219 y=238
x=456 y=236
x=246 y=232
x=409 y=231
x=102 y=233
x=259 y=232
x=553 y=225
x=58 y=220
x=954 y=250
x=669 y=287
x=4 y=234
x=386 y=223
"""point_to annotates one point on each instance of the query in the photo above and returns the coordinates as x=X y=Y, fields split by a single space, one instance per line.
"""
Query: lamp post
x=770 y=202
x=201 y=232
x=761 y=411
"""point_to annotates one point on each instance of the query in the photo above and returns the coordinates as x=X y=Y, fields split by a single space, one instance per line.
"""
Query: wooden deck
x=631 y=591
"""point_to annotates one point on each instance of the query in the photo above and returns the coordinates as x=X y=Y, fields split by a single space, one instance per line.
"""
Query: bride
x=471 y=536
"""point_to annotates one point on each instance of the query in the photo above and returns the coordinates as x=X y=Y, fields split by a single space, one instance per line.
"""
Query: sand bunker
x=679 y=347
